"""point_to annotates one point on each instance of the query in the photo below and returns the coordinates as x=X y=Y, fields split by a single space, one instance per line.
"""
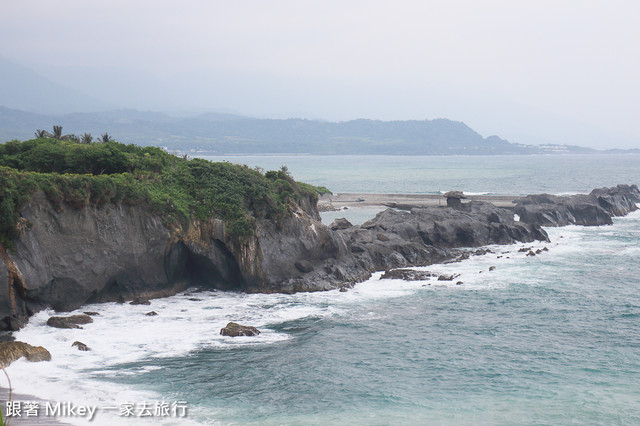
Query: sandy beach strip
x=350 y=200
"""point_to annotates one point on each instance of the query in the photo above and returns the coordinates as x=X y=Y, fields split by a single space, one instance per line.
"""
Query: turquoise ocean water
x=550 y=339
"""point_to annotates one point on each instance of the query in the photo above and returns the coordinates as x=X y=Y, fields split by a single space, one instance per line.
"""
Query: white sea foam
x=188 y=322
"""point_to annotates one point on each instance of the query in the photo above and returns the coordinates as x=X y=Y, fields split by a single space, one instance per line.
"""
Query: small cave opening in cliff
x=218 y=269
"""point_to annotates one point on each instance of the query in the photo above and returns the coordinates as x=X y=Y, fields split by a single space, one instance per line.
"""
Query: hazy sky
x=529 y=71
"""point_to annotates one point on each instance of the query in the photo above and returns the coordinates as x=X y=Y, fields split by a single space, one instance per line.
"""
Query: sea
x=544 y=340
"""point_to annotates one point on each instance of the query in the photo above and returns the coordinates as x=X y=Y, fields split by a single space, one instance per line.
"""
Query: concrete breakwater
x=348 y=199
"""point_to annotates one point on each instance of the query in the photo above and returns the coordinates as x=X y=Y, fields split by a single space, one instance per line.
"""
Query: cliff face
x=71 y=257
x=114 y=253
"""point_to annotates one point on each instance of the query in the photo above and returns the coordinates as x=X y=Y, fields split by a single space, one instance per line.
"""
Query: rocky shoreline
x=116 y=253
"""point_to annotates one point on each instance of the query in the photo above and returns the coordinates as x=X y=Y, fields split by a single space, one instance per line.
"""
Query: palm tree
x=105 y=138
x=72 y=138
x=57 y=132
x=40 y=134
x=87 y=138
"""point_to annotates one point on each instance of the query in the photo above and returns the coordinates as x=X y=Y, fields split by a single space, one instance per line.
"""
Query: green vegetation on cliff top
x=177 y=189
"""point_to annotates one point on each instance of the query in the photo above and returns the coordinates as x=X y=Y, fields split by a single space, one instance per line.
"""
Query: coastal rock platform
x=114 y=253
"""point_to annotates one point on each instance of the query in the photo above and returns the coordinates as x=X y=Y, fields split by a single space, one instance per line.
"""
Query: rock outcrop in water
x=11 y=351
x=234 y=330
x=116 y=252
x=73 y=321
x=596 y=208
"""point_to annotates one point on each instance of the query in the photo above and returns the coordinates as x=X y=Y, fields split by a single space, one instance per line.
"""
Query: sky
x=562 y=71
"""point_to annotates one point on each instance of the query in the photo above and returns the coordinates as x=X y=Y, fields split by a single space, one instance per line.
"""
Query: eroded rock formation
x=117 y=253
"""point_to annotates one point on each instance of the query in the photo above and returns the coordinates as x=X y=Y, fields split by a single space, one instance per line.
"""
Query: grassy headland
x=176 y=188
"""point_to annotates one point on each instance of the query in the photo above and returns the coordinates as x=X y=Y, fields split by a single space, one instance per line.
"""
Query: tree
x=57 y=132
x=40 y=134
x=105 y=138
x=87 y=138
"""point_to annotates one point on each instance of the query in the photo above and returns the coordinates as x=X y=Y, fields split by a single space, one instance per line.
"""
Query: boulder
x=81 y=346
x=140 y=301
x=69 y=322
x=454 y=199
x=11 y=351
x=234 y=330
x=407 y=275
x=151 y=314
x=382 y=237
x=340 y=223
x=445 y=277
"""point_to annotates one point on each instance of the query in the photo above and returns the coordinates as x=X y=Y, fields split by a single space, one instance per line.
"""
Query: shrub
x=178 y=189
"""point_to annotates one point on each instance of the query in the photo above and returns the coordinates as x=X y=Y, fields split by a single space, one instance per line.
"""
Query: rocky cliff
x=69 y=257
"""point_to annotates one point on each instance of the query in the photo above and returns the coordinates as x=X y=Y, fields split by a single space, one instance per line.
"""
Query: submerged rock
x=140 y=301
x=11 y=351
x=151 y=314
x=234 y=330
x=69 y=322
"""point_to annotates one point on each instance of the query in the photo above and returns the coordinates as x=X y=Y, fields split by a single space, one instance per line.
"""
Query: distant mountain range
x=30 y=101
x=22 y=88
x=215 y=133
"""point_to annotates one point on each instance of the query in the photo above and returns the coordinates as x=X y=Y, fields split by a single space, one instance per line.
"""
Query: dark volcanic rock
x=445 y=277
x=407 y=275
x=478 y=225
x=454 y=199
x=304 y=266
x=340 y=223
x=140 y=301
x=69 y=257
x=91 y=314
x=234 y=330
x=151 y=314
x=69 y=322
x=596 y=208
x=11 y=351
